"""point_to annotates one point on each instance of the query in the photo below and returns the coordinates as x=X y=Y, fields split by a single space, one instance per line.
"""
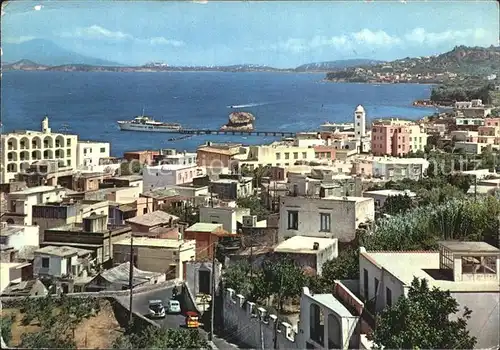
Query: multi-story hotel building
x=20 y=149
x=396 y=137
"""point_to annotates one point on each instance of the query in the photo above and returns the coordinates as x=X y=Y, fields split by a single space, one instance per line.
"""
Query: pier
x=236 y=132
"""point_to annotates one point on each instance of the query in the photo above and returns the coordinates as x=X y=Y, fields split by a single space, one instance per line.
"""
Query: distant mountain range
x=40 y=54
x=45 y=52
x=334 y=65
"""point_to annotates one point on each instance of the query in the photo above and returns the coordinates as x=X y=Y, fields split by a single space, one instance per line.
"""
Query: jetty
x=236 y=132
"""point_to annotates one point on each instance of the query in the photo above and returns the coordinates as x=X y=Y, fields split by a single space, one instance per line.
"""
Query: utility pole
x=130 y=279
x=475 y=187
x=277 y=319
x=212 y=301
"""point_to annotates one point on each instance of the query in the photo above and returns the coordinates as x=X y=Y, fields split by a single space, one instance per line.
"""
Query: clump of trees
x=463 y=93
x=6 y=328
x=422 y=321
x=280 y=280
x=57 y=317
x=162 y=338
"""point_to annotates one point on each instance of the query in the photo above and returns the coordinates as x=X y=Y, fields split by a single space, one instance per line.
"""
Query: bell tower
x=360 y=122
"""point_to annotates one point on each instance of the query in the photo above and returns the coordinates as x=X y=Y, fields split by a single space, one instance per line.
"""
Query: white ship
x=145 y=123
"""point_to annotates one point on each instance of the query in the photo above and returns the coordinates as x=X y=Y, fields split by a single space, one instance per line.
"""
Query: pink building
x=390 y=139
x=491 y=121
x=396 y=137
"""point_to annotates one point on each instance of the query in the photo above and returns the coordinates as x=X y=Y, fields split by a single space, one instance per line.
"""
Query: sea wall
x=254 y=326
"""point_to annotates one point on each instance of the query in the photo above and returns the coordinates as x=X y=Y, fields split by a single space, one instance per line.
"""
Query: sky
x=274 y=33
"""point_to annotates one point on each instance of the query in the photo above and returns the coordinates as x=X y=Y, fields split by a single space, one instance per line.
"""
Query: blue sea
x=91 y=103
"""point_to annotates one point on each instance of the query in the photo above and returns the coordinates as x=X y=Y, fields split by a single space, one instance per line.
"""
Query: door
x=204 y=278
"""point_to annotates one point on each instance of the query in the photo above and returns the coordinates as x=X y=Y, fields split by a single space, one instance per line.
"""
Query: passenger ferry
x=145 y=123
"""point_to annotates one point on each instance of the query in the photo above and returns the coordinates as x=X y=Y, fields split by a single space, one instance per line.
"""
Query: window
x=365 y=283
x=287 y=155
x=388 y=297
x=278 y=156
x=325 y=220
x=376 y=285
x=293 y=220
x=304 y=155
x=68 y=153
x=103 y=149
x=68 y=142
x=45 y=263
x=295 y=155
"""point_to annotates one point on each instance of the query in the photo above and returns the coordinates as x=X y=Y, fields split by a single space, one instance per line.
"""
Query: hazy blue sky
x=281 y=34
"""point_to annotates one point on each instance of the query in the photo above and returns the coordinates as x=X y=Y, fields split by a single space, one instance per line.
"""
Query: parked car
x=173 y=306
x=156 y=309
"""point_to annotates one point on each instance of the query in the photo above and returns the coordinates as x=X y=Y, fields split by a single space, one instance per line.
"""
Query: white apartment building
x=21 y=203
x=169 y=175
x=89 y=153
x=392 y=168
x=20 y=149
x=469 y=270
x=329 y=217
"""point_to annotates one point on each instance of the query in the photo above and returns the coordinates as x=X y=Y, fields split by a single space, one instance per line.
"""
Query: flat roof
x=392 y=193
x=331 y=302
x=204 y=227
x=62 y=251
x=10 y=230
x=154 y=218
x=167 y=167
x=152 y=242
x=304 y=245
x=469 y=247
x=407 y=265
x=37 y=189
x=126 y=177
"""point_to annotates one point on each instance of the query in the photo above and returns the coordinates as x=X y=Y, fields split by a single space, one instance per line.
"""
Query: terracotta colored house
x=206 y=236
x=144 y=157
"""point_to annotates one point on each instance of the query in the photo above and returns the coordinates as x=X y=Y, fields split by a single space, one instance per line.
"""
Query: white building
x=380 y=196
x=227 y=216
x=469 y=270
x=56 y=262
x=20 y=149
x=169 y=175
x=332 y=217
x=89 y=153
x=308 y=251
x=391 y=168
x=19 y=237
x=171 y=156
x=21 y=203
x=360 y=122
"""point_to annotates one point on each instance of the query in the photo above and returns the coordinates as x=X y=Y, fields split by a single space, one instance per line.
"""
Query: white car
x=156 y=309
x=173 y=307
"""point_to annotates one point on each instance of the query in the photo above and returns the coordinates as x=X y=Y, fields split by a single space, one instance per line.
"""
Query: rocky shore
x=239 y=121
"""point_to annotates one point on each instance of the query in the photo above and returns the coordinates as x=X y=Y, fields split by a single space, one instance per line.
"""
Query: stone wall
x=254 y=326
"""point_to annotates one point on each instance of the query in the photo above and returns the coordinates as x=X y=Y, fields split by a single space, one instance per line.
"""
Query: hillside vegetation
x=459 y=62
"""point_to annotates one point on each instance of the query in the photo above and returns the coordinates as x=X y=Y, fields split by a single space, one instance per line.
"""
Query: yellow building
x=276 y=154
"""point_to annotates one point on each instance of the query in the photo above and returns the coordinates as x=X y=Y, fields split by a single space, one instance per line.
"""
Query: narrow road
x=140 y=305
